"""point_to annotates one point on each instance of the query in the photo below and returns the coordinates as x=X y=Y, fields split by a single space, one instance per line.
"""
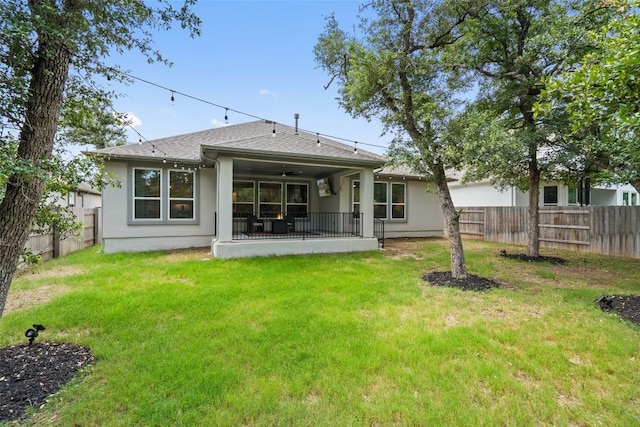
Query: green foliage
x=91 y=32
x=513 y=49
x=601 y=97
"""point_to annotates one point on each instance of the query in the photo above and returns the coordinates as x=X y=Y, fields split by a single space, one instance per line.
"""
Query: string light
x=227 y=109
x=274 y=130
x=172 y=98
x=226 y=115
x=317 y=139
x=355 y=148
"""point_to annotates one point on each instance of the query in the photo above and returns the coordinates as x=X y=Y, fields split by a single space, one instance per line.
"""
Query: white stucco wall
x=423 y=212
x=483 y=194
x=118 y=235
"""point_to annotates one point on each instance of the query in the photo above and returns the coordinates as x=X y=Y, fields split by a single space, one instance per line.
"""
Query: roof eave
x=270 y=155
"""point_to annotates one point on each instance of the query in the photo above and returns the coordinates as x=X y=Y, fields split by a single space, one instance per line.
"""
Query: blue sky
x=253 y=56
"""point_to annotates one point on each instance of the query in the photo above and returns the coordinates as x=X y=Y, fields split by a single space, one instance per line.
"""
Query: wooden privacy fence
x=609 y=230
x=52 y=245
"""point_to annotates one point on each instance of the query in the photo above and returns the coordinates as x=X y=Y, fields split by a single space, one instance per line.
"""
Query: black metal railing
x=378 y=230
x=307 y=225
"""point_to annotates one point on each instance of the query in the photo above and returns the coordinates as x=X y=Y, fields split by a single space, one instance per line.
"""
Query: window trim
x=389 y=203
x=135 y=198
x=286 y=198
x=164 y=197
x=192 y=199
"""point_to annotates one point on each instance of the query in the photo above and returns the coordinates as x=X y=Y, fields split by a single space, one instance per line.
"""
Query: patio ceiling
x=276 y=168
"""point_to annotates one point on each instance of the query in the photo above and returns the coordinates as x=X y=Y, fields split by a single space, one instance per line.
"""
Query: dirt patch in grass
x=31 y=373
x=25 y=299
x=179 y=255
x=38 y=273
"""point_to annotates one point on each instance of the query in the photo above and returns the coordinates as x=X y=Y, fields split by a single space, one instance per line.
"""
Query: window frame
x=287 y=203
x=240 y=214
x=191 y=199
x=388 y=203
x=135 y=197
x=544 y=196
x=270 y=214
x=164 y=198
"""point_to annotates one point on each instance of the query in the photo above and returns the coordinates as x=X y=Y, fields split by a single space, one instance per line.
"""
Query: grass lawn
x=358 y=339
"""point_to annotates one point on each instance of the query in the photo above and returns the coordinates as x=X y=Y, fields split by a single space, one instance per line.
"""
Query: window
x=572 y=198
x=380 y=200
x=550 y=195
x=146 y=193
x=634 y=199
x=181 y=195
x=389 y=200
x=244 y=197
x=356 y=197
x=270 y=197
x=297 y=200
x=629 y=198
x=398 y=201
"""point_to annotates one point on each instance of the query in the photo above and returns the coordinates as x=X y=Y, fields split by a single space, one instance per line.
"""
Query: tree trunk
x=23 y=193
x=452 y=224
x=533 y=233
x=636 y=184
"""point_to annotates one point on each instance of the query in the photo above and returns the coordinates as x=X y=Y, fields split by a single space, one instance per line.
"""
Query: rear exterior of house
x=258 y=189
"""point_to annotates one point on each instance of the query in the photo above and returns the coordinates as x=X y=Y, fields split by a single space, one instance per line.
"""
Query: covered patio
x=314 y=199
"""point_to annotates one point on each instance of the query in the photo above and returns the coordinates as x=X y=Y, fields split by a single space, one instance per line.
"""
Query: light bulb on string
x=274 y=130
x=164 y=160
x=317 y=140
x=175 y=165
x=355 y=148
x=172 y=99
x=226 y=115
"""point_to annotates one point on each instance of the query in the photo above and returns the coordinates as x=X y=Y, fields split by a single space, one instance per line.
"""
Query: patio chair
x=291 y=222
x=254 y=225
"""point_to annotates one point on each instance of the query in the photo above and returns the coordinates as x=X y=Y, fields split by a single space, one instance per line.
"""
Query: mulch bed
x=627 y=307
x=527 y=258
x=31 y=373
x=471 y=283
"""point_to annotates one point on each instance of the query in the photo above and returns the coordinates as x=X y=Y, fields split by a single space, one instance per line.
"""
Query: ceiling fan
x=286 y=173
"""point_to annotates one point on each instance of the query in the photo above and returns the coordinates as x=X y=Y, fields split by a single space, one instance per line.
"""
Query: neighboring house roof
x=255 y=139
x=85 y=187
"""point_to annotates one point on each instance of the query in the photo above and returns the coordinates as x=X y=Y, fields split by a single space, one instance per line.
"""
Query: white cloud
x=267 y=92
x=217 y=123
x=132 y=120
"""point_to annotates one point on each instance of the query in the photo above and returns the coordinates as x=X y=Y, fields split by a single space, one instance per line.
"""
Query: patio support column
x=225 y=199
x=366 y=201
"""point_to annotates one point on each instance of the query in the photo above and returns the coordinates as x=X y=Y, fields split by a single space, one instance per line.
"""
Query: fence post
x=56 y=242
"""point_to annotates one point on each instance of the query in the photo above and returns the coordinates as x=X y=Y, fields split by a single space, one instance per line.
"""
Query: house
x=482 y=193
x=259 y=188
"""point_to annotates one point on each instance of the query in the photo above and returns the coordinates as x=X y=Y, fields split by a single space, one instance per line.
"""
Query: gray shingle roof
x=253 y=137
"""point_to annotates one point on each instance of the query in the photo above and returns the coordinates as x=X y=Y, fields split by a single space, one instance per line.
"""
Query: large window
x=181 y=195
x=297 y=200
x=147 y=193
x=244 y=196
x=162 y=195
x=270 y=197
x=389 y=200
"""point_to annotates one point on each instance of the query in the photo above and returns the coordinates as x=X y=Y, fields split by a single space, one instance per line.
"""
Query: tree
x=394 y=72
x=601 y=97
x=513 y=47
x=51 y=51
